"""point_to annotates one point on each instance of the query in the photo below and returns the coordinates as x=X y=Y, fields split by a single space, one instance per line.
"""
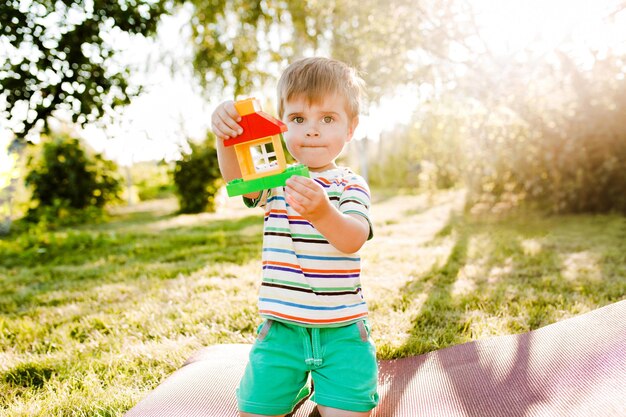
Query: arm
x=224 y=125
x=346 y=232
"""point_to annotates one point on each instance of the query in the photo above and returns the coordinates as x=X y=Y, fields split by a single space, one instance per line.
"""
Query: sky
x=544 y=24
x=156 y=124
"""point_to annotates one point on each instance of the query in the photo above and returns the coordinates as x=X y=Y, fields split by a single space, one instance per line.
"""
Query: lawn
x=92 y=318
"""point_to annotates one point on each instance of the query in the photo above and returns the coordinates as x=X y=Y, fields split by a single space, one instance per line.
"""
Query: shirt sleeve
x=355 y=199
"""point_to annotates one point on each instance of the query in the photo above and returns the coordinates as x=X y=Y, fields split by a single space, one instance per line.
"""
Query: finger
x=217 y=128
x=227 y=127
x=302 y=183
x=221 y=135
x=295 y=194
x=294 y=204
x=230 y=123
x=302 y=196
x=230 y=116
x=231 y=111
x=305 y=182
x=293 y=185
x=224 y=120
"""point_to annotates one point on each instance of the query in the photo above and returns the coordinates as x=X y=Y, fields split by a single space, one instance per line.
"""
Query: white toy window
x=264 y=157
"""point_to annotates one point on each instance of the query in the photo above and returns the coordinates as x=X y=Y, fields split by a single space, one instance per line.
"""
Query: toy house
x=259 y=151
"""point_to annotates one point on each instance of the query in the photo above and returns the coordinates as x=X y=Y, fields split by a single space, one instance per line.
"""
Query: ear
x=352 y=127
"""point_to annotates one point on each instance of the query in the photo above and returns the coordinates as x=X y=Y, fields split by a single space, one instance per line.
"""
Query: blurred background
x=493 y=137
x=521 y=103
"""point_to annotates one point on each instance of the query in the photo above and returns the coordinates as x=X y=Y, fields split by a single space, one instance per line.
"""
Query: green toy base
x=241 y=187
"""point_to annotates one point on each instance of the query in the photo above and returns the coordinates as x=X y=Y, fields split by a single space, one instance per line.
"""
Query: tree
x=59 y=55
x=63 y=175
x=8 y=182
x=242 y=43
x=544 y=120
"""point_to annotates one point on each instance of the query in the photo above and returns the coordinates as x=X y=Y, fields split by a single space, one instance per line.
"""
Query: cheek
x=294 y=135
x=289 y=142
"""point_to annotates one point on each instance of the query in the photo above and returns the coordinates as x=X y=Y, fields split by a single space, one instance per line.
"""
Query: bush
x=566 y=154
x=197 y=177
x=152 y=180
x=424 y=155
x=65 y=179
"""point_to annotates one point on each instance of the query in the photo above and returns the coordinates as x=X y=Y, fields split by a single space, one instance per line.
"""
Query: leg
x=346 y=381
x=275 y=377
x=335 y=412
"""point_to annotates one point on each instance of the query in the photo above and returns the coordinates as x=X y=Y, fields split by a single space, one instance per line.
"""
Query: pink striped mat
x=576 y=367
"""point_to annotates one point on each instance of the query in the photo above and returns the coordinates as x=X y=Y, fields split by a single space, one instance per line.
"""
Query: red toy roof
x=255 y=126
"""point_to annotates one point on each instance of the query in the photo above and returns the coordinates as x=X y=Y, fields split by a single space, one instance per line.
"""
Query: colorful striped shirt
x=305 y=279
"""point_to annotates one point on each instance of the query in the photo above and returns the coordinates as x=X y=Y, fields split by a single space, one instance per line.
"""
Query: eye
x=327 y=119
x=297 y=119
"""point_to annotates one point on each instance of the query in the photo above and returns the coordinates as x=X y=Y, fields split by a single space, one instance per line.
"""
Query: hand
x=224 y=121
x=307 y=197
x=346 y=232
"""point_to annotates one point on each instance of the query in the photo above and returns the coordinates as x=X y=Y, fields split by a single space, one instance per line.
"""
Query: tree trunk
x=363 y=149
x=129 y=186
x=6 y=207
x=7 y=195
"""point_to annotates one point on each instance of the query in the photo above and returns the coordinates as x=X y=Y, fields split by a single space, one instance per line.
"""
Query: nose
x=311 y=131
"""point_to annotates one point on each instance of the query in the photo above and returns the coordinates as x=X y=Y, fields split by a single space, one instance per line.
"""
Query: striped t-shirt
x=305 y=279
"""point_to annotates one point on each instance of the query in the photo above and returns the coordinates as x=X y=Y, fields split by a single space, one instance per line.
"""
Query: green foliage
x=545 y=129
x=380 y=38
x=152 y=180
x=394 y=166
x=65 y=180
x=566 y=152
x=225 y=52
x=197 y=177
x=233 y=43
x=540 y=126
x=61 y=56
x=425 y=155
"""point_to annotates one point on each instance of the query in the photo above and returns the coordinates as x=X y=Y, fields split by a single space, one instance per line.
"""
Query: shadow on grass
x=29 y=375
x=437 y=311
x=137 y=218
x=523 y=287
x=520 y=286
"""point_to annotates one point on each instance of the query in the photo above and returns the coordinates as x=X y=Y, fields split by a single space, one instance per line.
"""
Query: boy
x=310 y=296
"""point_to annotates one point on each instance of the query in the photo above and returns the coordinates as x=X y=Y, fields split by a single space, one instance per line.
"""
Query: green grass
x=92 y=318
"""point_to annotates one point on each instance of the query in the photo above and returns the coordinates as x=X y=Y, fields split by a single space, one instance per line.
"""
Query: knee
x=335 y=412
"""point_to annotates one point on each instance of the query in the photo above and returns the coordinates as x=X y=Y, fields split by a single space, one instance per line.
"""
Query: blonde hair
x=316 y=78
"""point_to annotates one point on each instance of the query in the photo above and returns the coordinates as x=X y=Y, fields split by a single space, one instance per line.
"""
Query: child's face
x=317 y=132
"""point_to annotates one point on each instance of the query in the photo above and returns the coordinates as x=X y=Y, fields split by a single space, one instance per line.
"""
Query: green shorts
x=341 y=361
